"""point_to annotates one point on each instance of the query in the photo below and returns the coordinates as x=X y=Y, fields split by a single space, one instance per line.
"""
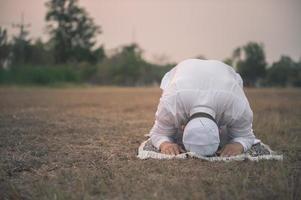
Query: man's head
x=201 y=135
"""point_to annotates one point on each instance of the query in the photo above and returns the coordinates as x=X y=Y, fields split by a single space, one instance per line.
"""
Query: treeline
x=249 y=61
x=72 y=55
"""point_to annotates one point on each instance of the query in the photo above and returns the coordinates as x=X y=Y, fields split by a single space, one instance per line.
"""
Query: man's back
x=202 y=75
x=203 y=86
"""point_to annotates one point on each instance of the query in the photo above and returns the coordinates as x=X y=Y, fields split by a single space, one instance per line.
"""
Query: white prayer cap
x=201 y=136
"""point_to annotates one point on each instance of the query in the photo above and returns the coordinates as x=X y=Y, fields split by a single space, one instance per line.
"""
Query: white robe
x=208 y=86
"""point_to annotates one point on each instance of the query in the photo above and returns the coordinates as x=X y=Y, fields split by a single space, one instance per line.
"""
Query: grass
x=81 y=143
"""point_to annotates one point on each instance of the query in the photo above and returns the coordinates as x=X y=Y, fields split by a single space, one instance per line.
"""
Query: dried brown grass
x=81 y=143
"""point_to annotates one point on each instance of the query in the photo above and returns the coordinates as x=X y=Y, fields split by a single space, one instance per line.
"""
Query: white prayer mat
x=258 y=151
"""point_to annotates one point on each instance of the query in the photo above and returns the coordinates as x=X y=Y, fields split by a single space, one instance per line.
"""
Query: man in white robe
x=203 y=96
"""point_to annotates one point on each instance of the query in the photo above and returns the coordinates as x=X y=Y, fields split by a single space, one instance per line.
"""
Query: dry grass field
x=81 y=143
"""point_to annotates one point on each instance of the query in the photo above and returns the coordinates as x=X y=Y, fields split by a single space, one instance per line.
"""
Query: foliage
x=284 y=72
x=72 y=32
x=46 y=75
x=4 y=47
x=40 y=54
x=24 y=61
x=253 y=66
x=249 y=61
x=127 y=67
x=21 y=47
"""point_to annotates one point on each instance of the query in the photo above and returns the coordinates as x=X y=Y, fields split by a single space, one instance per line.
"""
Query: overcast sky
x=180 y=29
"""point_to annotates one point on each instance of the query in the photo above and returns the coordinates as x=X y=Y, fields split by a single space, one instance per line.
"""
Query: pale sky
x=180 y=29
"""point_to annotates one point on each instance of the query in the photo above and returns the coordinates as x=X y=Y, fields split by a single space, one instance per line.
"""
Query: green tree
x=40 y=54
x=297 y=81
x=73 y=32
x=21 y=47
x=127 y=67
x=252 y=67
x=284 y=72
x=228 y=61
x=4 y=47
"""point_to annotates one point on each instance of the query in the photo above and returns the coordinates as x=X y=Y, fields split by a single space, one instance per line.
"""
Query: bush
x=284 y=72
x=41 y=75
x=128 y=68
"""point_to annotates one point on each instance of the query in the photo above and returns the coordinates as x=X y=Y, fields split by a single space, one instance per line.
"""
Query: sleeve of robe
x=163 y=129
x=240 y=129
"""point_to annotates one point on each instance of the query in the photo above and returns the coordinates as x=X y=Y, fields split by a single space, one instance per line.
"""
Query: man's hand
x=171 y=148
x=231 y=149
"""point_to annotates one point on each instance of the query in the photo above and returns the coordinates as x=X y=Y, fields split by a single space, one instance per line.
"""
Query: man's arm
x=163 y=132
x=162 y=137
x=240 y=131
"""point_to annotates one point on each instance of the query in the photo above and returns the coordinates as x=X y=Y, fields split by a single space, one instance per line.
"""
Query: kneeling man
x=201 y=96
